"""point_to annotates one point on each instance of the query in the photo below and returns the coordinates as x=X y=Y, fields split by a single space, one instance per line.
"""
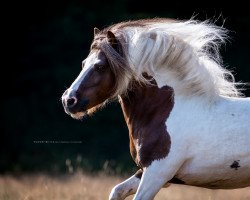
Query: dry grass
x=86 y=187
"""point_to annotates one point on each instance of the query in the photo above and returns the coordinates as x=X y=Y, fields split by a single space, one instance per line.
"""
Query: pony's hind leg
x=126 y=188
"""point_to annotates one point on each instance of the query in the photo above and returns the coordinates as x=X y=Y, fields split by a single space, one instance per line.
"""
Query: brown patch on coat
x=235 y=165
x=153 y=36
x=139 y=173
x=146 y=109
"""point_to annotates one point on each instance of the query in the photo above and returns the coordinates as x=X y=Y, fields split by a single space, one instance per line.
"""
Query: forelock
x=117 y=60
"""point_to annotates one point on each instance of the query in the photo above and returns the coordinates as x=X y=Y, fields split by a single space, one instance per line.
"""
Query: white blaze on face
x=88 y=63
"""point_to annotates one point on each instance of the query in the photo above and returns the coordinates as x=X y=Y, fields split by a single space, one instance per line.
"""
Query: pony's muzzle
x=72 y=103
x=69 y=100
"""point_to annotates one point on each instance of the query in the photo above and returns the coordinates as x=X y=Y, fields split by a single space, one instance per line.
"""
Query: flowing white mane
x=181 y=54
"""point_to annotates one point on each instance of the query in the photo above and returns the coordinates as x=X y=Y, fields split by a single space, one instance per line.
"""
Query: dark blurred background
x=44 y=43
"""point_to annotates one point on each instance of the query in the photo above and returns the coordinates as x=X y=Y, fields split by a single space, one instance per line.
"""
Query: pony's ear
x=96 y=31
x=112 y=39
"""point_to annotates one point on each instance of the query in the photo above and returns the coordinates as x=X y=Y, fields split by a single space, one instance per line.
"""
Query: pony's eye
x=99 y=67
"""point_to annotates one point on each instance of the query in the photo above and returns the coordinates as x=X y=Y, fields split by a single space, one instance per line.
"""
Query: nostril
x=71 y=101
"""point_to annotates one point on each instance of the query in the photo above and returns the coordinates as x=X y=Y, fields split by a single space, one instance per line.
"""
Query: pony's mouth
x=82 y=109
x=75 y=115
x=78 y=115
x=79 y=110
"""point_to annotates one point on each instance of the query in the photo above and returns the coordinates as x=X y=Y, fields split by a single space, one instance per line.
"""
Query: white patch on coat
x=212 y=137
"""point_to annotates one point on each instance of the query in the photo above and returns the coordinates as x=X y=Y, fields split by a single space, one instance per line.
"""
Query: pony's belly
x=220 y=176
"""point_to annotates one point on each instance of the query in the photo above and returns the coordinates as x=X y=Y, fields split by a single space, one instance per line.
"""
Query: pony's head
x=181 y=54
x=102 y=71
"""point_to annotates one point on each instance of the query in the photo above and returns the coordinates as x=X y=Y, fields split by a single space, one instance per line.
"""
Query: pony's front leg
x=127 y=187
x=155 y=177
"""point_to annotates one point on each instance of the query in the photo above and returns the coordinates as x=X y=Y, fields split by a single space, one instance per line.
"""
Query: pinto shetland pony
x=188 y=123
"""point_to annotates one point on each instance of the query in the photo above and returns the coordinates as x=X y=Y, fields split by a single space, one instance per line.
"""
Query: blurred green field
x=97 y=187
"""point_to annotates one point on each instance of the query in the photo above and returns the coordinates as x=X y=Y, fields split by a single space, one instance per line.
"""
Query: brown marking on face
x=146 y=109
x=235 y=165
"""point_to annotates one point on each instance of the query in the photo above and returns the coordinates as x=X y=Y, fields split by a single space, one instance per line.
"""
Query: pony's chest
x=146 y=110
x=149 y=143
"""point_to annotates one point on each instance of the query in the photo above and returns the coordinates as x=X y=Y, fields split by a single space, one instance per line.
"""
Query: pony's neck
x=146 y=109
